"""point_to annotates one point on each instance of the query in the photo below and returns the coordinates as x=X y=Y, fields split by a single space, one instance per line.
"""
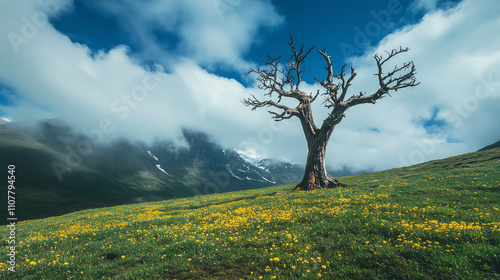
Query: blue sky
x=332 y=25
x=151 y=68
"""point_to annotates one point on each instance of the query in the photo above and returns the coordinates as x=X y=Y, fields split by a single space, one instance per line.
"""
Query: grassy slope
x=437 y=220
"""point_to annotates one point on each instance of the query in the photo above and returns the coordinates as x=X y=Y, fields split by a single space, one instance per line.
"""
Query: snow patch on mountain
x=153 y=156
x=232 y=173
x=162 y=170
x=158 y=165
x=254 y=160
x=265 y=179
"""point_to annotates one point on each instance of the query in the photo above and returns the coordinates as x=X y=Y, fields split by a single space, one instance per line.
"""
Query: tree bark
x=315 y=175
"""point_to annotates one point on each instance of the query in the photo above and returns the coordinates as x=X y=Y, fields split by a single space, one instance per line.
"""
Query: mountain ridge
x=54 y=178
x=489 y=147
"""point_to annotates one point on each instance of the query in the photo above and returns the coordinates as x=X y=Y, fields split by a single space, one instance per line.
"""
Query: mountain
x=60 y=171
x=489 y=147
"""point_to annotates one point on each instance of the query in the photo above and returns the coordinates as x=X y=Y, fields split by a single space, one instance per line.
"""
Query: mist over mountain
x=59 y=170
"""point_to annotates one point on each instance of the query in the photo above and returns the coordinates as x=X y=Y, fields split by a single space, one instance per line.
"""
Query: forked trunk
x=315 y=176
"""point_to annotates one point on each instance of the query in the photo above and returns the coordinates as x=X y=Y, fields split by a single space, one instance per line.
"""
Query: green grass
x=437 y=220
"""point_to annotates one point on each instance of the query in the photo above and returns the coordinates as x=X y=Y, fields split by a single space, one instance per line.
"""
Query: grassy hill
x=437 y=220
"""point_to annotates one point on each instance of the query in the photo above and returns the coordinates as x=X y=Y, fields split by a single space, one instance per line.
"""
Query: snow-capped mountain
x=231 y=167
x=276 y=169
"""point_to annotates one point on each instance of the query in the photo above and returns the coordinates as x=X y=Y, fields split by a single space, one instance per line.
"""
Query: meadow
x=437 y=220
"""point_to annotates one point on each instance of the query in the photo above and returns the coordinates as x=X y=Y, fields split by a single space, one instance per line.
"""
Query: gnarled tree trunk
x=316 y=177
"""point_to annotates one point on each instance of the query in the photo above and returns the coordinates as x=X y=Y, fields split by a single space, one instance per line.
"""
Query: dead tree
x=280 y=82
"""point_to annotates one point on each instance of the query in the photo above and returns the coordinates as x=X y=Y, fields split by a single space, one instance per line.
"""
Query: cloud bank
x=452 y=111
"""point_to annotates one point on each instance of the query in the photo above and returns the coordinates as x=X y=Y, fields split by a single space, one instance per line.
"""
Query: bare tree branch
x=345 y=84
x=285 y=115
x=398 y=78
x=315 y=96
x=391 y=81
x=335 y=94
x=331 y=88
x=255 y=103
x=295 y=62
x=329 y=68
x=274 y=78
x=332 y=99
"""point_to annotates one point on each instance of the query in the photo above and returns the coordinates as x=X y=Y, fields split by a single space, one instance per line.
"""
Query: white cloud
x=208 y=32
x=454 y=52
